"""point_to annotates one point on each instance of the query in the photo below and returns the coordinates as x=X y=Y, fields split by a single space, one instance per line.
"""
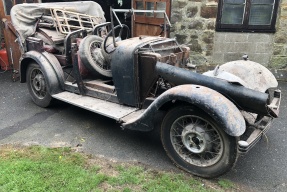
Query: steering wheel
x=119 y=36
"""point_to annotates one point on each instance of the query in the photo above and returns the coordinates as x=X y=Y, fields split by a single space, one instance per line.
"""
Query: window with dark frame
x=247 y=15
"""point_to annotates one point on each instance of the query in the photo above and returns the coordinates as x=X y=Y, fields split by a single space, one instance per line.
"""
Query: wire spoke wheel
x=92 y=57
x=95 y=50
x=195 y=143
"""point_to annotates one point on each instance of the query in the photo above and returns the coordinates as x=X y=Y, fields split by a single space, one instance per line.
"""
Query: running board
x=99 y=106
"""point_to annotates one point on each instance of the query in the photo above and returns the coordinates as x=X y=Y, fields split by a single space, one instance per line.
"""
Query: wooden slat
x=144 y=25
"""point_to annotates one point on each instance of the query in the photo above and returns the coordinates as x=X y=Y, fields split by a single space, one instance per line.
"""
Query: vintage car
x=70 y=53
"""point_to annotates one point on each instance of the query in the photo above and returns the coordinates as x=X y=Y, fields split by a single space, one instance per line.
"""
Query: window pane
x=247 y=15
x=140 y=6
x=149 y=6
x=232 y=14
x=160 y=6
x=260 y=14
x=262 y=1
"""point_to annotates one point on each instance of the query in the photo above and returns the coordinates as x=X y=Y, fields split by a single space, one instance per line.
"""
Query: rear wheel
x=37 y=85
x=195 y=143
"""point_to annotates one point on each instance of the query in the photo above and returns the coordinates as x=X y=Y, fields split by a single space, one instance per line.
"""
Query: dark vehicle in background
x=70 y=53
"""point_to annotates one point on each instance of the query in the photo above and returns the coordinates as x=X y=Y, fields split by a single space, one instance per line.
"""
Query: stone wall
x=279 y=57
x=194 y=25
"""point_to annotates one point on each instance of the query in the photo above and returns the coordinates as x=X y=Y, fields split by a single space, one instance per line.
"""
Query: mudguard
x=247 y=73
x=50 y=66
x=222 y=110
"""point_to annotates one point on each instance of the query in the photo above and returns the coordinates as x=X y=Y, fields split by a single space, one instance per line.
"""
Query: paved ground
x=264 y=168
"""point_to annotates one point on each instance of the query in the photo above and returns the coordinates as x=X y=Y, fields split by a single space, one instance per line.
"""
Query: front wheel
x=37 y=85
x=196 y=144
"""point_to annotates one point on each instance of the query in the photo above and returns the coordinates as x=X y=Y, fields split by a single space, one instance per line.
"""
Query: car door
x=9 y=32
x=149 y=23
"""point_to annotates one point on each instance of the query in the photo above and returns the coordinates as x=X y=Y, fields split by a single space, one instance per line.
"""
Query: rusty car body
x=70 y=53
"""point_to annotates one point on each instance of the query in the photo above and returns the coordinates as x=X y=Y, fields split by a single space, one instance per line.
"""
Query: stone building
x=195 y=23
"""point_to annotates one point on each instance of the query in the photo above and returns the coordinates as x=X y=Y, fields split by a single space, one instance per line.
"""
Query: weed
x=225 y=184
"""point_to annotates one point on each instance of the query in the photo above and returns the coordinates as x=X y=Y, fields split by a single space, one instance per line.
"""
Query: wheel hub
x=194 y=138
x=38 y=82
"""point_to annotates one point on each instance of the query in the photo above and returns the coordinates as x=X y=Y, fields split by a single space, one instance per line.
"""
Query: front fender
x=50 y=67
x=247 y=73
x=222 y=110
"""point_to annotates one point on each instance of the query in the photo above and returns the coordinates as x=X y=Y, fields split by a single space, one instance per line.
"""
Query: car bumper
x=260 y=128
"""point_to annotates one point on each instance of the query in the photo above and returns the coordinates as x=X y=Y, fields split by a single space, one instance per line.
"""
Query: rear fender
x=50 y=67
x=222 y=110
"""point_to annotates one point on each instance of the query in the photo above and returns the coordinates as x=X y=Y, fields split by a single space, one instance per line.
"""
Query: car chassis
x=206 y=120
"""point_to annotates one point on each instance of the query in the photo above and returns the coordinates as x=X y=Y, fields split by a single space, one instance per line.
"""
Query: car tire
x=90 y=46
x=37 y=85
x=196 y=144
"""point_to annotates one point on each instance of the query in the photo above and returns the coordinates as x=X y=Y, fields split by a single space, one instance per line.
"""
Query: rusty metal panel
x=263 y=126
x=99 y=106
x=125 y=69
x=222 y=110
x=34 y=44
x=147 y=75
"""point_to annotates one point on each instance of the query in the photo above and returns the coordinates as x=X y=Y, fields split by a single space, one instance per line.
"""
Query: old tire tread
x=227 y=160
x=47 y=100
